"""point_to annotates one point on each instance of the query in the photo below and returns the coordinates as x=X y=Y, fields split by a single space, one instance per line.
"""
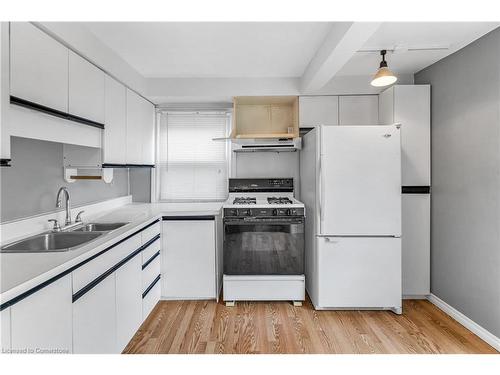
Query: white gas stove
x=263 y=241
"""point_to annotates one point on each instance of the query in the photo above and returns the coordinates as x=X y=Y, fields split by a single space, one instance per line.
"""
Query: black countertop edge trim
x=54 y=112
x=415 y=189
x=111 y=165
x=188 y=218
x=35 y=289
x=5 y=162
x=151 y=286
x=150 y=260
x=87 y=288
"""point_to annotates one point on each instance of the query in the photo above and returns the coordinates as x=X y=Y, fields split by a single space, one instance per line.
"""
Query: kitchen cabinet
x=265 y=117
x=42 y=321
x=94 y=319
x=86 y=89
x=115 y=130
x=4 y=93
x=128 y=301
x=416 y=244
x=318 y=110
x=188 y=260
x=5 y=329
x=358 y=110
x=38 y=67
x=140 y=130
x=410 y=106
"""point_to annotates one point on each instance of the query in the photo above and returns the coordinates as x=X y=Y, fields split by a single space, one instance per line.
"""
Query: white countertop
x=23 y=271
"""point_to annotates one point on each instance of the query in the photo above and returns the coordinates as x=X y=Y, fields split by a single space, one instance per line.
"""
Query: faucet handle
x=79 y=217
x=56 y=227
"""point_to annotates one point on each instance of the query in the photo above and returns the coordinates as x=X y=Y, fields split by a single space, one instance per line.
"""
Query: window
x=193 y=166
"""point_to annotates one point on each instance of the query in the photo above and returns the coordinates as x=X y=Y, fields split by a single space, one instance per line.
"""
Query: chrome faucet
x=68 y=207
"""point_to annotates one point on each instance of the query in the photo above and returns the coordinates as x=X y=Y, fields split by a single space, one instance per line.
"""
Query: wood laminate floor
x=279 y=327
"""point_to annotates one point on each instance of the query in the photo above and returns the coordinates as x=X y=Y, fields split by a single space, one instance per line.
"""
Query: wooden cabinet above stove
x=265 y=117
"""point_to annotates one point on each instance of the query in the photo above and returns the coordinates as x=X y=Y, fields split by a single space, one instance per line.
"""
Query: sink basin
x=49 y=242
x=100 y=227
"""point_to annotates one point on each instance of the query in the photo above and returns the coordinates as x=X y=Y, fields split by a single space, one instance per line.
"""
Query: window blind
x=193 y=166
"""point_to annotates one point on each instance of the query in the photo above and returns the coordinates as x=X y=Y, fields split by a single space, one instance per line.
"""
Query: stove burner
x=279 y=200
x=243 y=200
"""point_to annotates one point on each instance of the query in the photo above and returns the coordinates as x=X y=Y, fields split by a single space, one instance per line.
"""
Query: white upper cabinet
x=358 y=110
x=86 y=89
x=140 y=130
x=148 y=133
x=318 y=110
x=115 y=129
x=134 y=135
x=44 y=319
x=410 y=106
x=39 y=67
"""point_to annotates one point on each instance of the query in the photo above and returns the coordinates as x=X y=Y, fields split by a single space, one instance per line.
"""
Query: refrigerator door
x=360 y=181
x=359 y=272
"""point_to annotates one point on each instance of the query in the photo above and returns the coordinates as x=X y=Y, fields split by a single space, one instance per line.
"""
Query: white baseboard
x=465 y=321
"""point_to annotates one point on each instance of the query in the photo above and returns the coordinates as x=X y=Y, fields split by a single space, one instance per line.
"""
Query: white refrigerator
x=350 y=183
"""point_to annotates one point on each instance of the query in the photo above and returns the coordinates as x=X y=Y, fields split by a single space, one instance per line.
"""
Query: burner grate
x=245 y=200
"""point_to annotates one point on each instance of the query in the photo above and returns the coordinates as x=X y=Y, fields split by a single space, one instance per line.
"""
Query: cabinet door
x=134 y=135
x=386 y=107
x=42 y=321
x=358 y=110
x=188 y=261
x=128 y=301
x=412 y=110
x=416 y=260
x=5 y=329
x=318 y=110
x=39 y=67
x=94 y=319
x=4 y=91
x=86 y=89
x=115 y=129
x=148 y=132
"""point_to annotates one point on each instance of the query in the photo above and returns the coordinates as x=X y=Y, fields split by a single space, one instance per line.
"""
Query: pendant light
x=383 y=77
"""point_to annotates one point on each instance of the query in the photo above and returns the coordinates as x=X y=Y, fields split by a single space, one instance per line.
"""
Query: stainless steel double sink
x=61 y=241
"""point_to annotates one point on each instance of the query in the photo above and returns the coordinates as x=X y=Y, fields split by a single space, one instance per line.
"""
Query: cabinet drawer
x=89 y=272
x=150 y=299
x=150 y=273
x=151 y=250
x=148 y=233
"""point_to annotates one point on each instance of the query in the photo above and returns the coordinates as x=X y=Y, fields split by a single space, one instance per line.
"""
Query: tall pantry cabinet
x=410 y=106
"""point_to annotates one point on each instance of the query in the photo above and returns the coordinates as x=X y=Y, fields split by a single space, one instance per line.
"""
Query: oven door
x=264 y=246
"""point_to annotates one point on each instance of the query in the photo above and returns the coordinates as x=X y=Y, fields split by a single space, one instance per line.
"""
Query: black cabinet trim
x=150 y=260
x=415 y=189
x=54 y=112
x=151 y=286
x=5 y=162
x=111 y=165
x=87 y=288
x=188 y=218
x=38 y=287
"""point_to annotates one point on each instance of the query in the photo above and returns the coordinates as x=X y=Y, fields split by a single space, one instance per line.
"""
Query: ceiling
x=213 y=49
x=451 y=36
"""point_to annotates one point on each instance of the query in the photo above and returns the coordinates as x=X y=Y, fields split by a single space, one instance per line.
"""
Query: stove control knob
x=275 y=212
x=248 y=212
x=233 y=212
x=292 y=212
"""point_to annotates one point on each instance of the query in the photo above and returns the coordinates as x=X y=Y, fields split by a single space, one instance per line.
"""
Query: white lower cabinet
x=188 y=259
x=42 y=322
x=94 y=319
x=150 y=299
x=416 y=257
x=5 y=330
x=128 y=301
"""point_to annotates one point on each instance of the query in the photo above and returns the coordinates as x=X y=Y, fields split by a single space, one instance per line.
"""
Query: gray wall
x=140 y=185
x=465 y=239
x=30 y=186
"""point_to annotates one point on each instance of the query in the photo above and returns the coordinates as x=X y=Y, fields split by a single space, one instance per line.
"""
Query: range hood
x=266 y=144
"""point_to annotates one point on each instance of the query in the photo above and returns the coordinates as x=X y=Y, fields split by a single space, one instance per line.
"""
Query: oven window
x=263 y=249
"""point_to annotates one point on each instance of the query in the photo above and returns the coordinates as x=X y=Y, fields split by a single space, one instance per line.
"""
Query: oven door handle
x=296 y=221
